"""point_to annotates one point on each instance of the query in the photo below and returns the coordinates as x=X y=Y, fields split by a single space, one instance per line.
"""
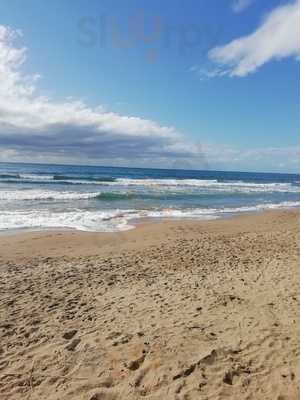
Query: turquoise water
x=35 y=196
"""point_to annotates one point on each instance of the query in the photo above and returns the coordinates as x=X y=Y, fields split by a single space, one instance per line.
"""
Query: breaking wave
x=204 y=185
x=22 y=195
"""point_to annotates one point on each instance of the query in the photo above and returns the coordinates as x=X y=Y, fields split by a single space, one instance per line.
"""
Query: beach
x=177 y=310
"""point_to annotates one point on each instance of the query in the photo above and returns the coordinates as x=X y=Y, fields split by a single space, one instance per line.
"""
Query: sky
x=199 y=84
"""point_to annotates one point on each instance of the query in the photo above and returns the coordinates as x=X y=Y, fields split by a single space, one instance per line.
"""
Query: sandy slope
x=167 y=311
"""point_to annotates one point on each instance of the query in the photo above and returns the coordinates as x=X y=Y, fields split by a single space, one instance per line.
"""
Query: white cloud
x=33 y=126
x=207 y=73
x=277 y=37
x=36 y=128
x=241 y=5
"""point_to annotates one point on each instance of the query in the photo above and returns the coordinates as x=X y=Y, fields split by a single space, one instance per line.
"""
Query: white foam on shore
x=115 y=220
x=97 y=221
x=108 y=221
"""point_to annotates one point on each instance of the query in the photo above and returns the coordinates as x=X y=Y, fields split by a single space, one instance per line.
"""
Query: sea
x=110 y=199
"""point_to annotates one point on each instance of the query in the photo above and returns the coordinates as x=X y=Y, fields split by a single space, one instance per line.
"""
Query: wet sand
x=174 y=310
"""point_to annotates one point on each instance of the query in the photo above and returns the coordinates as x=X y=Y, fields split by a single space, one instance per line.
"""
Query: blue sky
x=213 y=85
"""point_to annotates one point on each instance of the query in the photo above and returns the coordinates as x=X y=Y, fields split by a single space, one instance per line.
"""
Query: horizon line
x=151 y=168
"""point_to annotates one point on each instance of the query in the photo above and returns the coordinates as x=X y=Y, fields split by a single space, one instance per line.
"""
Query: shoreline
x=172 y=310
x=89 y=241
x=24 y=246
x=136 y=223
x=133 y=222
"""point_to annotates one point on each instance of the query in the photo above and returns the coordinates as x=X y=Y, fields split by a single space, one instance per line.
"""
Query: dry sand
x=175 y=310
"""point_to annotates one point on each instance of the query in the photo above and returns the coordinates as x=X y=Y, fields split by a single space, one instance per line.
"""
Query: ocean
x=109 y=199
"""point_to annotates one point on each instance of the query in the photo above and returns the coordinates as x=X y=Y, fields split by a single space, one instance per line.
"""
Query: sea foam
x=116 y=220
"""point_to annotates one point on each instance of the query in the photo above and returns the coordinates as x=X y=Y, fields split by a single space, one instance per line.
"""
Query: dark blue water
x=38 y=196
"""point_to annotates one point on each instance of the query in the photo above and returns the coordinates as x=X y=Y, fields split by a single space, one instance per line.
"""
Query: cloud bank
x=34 y=126
x=279 y=159
x=276 y=38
